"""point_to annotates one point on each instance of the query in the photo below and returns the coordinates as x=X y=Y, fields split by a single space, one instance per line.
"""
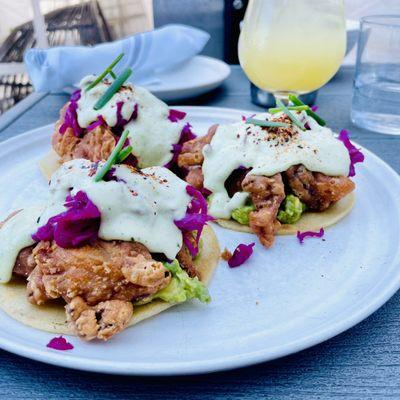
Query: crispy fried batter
x=82 y=318
x=95 y=272
x=146 y=273
x=95 y=145
x=186 y=261
x=35 y=290
x=101 y=321
x=267 y=193
x=195 y=177
x=317 y=190
x=98 y=283
x=226 y=254
x=192 y=150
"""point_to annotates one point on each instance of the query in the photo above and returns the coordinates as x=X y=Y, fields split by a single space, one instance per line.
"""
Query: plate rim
x=222 y=65
x=219 y=363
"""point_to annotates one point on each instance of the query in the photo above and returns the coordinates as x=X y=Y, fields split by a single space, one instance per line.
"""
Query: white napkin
x=146 y=53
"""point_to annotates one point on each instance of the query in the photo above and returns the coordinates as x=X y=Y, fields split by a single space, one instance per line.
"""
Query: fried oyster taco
x=91 y=123
x=113 y=250
x=275 y=173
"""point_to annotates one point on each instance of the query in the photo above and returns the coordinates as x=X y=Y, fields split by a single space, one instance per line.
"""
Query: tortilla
x=310 y=221
x=49 y=164
x=50 y=317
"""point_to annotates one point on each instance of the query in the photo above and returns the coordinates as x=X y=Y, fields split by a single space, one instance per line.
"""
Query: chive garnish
x=260 y=122
x=113 y=75
x=108 y=70
x=113 y=89
x=294 y=119
x=297 y=102
x=275 y=110
x=112 y=159
x=123 y=154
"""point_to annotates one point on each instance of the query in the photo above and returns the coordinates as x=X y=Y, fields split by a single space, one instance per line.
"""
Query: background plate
x=283 y=300
x=199 y=75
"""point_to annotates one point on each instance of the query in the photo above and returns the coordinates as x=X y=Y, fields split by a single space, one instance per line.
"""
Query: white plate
x=283 y=300
x=197 y=76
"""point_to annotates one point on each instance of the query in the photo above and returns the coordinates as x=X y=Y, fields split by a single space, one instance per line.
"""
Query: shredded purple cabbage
x=186 y=135
x=176 y=115
x=59 y=343
x=194 y=220
x=176 y=149
x=314 y=108
x=70 y=117
x=126 y=143
x=99 y=121
x=110 y=176
x=302 y=235
x=241 y=254
x=205 y=192
x=131 y=160
x=76 y=226
x=355 y=155
x=75 y=96
x=121 y=122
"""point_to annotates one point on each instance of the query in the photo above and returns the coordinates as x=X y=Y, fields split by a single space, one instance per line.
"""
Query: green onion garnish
x=260 y=122
x=108 y=70
x=123 y=154
x=294 y=119
x=112 y=159
x=113 y=75
x=297 y=102
x=113 y=89
x=275 y=110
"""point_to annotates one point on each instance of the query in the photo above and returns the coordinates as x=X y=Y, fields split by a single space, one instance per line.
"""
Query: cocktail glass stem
x=284 y=96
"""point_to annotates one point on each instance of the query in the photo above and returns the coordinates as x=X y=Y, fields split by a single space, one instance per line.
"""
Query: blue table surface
x=362 y=363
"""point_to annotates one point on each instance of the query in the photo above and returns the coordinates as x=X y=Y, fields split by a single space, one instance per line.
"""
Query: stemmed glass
x=292 y=46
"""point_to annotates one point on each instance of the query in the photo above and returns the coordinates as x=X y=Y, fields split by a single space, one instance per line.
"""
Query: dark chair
x=80 y=24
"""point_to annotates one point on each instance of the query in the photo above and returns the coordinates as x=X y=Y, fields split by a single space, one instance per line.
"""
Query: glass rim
x=382 y=19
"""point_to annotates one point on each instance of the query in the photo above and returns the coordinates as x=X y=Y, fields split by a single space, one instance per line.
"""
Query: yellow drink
x=292 y=45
